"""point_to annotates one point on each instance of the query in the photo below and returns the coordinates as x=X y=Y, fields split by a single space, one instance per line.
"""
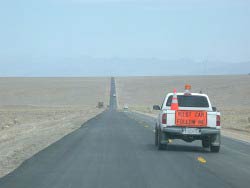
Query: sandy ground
x=230 y=94
x=36 y=112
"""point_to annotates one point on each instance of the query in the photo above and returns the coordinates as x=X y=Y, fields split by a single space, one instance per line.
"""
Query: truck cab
x=195 y=119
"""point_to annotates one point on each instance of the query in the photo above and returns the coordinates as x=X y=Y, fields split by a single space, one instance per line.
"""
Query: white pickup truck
x=195 y=119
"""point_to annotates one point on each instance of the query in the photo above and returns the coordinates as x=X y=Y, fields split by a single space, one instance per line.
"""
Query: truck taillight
x=218 y=120
x=164 y=119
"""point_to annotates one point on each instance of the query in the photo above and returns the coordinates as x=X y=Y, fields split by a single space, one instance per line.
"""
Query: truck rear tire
x=156 y=136
x=215 y=143
x=160 y=146
x=214 y=149
x=205 y=142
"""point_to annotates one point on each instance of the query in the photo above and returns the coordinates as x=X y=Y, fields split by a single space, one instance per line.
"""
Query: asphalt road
x=112 y=101
x=116 y=150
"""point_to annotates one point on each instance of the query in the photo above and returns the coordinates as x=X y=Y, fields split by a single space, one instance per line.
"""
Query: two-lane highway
x=113 y=100
x=116 y=149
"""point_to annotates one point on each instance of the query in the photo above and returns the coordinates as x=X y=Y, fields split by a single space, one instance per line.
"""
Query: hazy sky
x=49 y=31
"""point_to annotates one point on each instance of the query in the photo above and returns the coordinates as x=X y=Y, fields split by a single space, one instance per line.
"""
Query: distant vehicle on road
x=188 y=116
x=100 y=104
x=125 y=107
x=114 y=95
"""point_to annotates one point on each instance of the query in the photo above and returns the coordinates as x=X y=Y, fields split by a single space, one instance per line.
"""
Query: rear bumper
x=179 y=131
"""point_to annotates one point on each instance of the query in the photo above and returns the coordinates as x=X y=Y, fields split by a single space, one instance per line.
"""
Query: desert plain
x=36 y=112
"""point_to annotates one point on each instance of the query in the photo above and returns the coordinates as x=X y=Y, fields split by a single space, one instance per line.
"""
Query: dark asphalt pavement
x=116 y=150
x=112 y=101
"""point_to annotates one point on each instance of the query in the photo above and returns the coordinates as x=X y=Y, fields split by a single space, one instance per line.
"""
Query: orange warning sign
x=191 y=118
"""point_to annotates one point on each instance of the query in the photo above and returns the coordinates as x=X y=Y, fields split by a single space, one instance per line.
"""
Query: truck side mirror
x=214 y=109
x=156 y=107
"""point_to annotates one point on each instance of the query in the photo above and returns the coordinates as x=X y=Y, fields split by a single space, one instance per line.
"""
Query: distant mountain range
x=180 y=67
x=86 y=66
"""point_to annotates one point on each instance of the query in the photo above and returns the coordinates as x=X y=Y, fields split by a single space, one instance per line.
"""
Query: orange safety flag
x=174 y=104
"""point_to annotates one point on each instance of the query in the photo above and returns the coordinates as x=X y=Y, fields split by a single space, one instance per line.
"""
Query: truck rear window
x=189 y=101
